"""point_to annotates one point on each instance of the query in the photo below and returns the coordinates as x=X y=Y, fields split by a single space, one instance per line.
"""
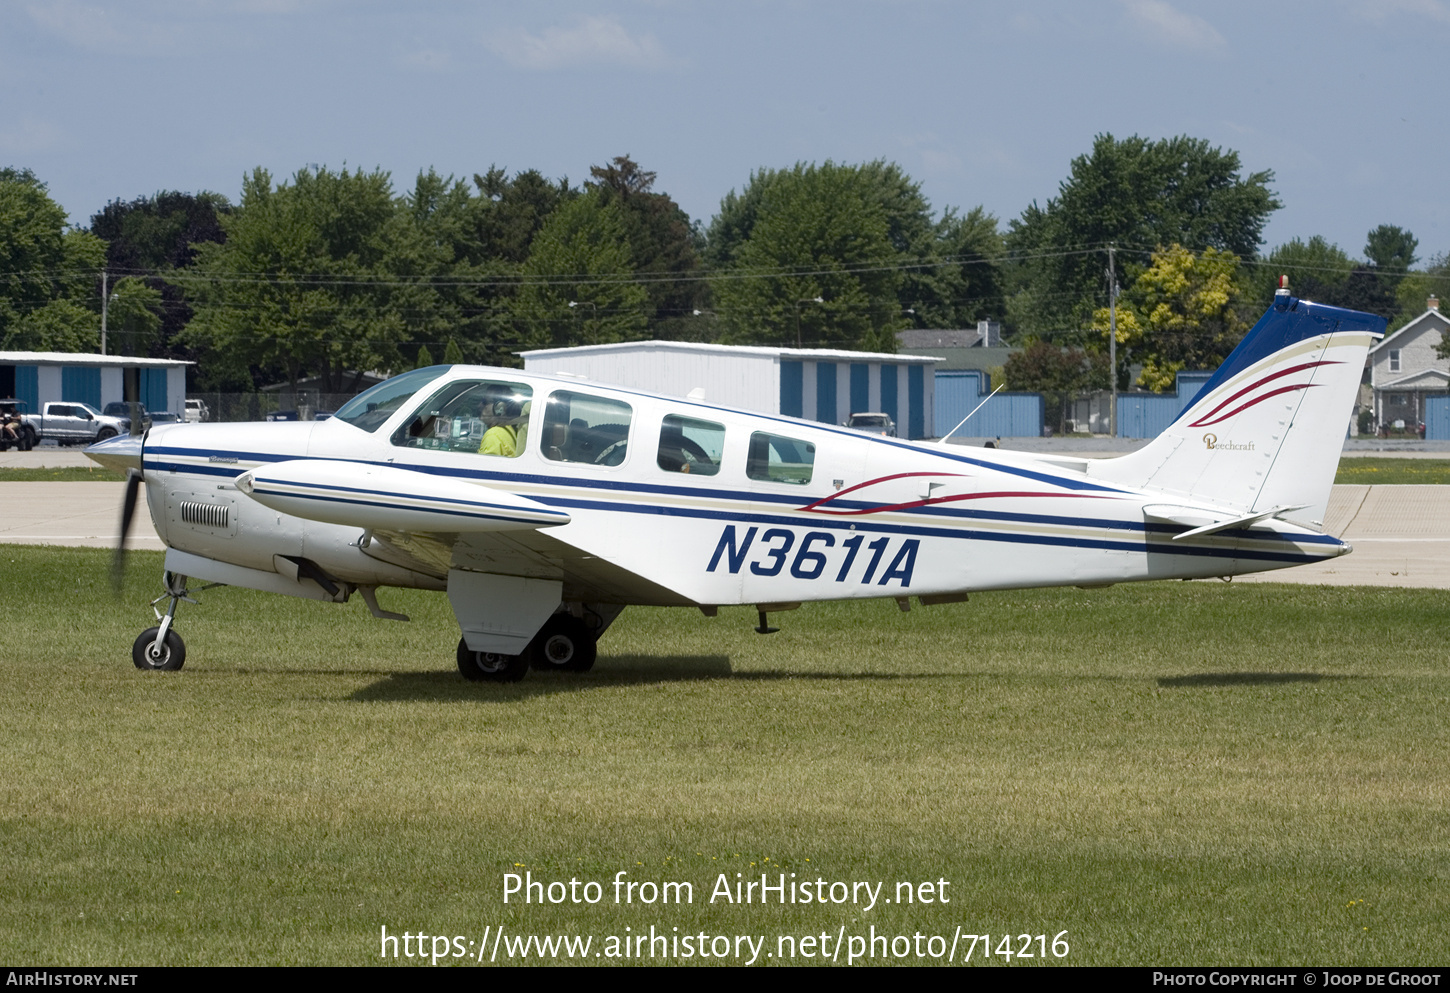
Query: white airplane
x=544 y=505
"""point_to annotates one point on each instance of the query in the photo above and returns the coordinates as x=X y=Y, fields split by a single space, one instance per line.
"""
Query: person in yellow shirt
x=502 y=437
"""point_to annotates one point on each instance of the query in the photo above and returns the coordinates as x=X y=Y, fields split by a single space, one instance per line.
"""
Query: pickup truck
x=72 y=423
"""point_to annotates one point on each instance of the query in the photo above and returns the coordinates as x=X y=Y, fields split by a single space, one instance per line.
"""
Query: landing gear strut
x=160 y=647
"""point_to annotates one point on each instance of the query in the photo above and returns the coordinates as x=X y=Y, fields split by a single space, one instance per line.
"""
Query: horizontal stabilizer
x=1202 y=521
x=388 y=498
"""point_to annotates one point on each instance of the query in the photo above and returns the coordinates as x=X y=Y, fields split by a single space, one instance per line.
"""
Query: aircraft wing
x=431 y=524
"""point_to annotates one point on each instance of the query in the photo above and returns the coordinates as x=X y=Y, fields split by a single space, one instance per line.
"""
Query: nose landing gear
x=161 y=648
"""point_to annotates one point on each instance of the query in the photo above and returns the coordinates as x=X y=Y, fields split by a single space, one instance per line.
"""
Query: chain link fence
x=304 y=405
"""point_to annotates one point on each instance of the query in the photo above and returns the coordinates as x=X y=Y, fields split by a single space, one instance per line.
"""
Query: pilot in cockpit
x=502 y=413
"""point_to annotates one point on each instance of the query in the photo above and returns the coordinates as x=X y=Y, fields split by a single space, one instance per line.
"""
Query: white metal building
x=45 y=377
x=815 y=383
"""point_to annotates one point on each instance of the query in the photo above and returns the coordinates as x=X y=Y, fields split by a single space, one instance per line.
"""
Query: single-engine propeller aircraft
x=544 y=505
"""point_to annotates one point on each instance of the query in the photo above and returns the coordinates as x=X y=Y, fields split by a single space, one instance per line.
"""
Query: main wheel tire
x=481 y=667
x=563 y=644
x=171 y=656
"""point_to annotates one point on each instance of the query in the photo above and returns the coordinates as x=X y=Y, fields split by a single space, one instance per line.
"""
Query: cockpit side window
x=371 y=408
x=775 y=459
x=581 y=427
x=484 y=416
x=690 y=446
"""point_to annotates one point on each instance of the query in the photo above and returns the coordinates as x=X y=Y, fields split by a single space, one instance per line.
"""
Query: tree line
x=329 y=273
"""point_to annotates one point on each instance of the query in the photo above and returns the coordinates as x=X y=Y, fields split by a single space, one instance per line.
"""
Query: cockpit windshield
x=368 y=410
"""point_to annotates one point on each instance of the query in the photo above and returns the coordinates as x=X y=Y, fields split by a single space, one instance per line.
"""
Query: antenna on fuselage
x=964 y=420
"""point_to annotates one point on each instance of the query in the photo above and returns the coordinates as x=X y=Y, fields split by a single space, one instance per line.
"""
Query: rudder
x=1266 y=430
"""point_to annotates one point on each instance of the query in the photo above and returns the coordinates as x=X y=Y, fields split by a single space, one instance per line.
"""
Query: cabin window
x=776 y=459
x=690 y=446
x=1394 y=360
x=368 y=410
x=470 y=415
x=580 y=427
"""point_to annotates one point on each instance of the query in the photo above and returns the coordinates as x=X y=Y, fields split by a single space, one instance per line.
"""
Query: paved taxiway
x=1400 y=534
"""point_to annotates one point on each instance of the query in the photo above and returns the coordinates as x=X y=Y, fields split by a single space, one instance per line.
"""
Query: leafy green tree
x=1321 y=271
x=133 y=321
x=515 y=210
x=662 y=243
x=1391 y=247
x=1139 y=195
x=57 y=326
x=444 y=284
x=1417 y=287
x=1183 y=312
x=464 y=248
x=304 y=281
x=1391 y=254
x=961 y=282
x=577 y=285
x=148 y=238
x=943 y=272
x=796 y=235
x=49 y=275
x=1317 y=270
x=1057 y=372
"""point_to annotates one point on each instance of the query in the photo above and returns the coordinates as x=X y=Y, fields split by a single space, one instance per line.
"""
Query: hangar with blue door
x=45 y=377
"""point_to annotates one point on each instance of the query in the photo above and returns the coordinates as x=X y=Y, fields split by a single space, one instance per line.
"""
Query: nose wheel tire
x=481 y=667
x=564 y=644
x=169 y=657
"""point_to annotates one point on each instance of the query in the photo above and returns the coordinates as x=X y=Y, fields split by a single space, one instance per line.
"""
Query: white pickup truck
x=72 y=423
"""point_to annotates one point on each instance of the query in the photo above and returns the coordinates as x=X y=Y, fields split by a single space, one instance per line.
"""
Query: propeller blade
x=128 y=510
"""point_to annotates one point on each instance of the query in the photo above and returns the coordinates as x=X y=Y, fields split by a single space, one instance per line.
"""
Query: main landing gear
x=564 y=644
x=160 y=647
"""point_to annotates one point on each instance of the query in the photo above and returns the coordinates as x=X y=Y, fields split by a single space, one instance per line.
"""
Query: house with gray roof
x=1405 y=368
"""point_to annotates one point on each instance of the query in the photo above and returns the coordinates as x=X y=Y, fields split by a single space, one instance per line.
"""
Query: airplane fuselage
x=868 y=516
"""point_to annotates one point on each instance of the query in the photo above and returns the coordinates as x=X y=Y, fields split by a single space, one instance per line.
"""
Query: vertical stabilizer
x=1266 y=431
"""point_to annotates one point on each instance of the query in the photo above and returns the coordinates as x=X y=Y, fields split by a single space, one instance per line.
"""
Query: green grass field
x=1190 y=773
x=62 y=474
x=1380 y=472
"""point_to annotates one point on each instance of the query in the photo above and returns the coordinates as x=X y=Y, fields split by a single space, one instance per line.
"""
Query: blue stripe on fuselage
x=786 y=500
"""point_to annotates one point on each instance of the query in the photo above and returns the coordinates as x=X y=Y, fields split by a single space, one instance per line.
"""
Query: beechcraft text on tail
x=542 y=506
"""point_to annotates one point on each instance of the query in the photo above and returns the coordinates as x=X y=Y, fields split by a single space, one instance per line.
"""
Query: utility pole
x=798 y=317
x=1112 y=344
x=105 y=299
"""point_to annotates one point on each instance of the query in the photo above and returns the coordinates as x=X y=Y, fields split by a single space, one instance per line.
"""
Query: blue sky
x=982 y=103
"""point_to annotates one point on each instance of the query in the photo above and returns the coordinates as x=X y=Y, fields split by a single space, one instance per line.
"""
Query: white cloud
x=592 y=41
x=1172 y=26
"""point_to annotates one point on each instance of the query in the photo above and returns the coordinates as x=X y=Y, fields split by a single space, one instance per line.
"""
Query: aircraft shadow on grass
x=1244 y=679
x=627 y=670
x=621 y=670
